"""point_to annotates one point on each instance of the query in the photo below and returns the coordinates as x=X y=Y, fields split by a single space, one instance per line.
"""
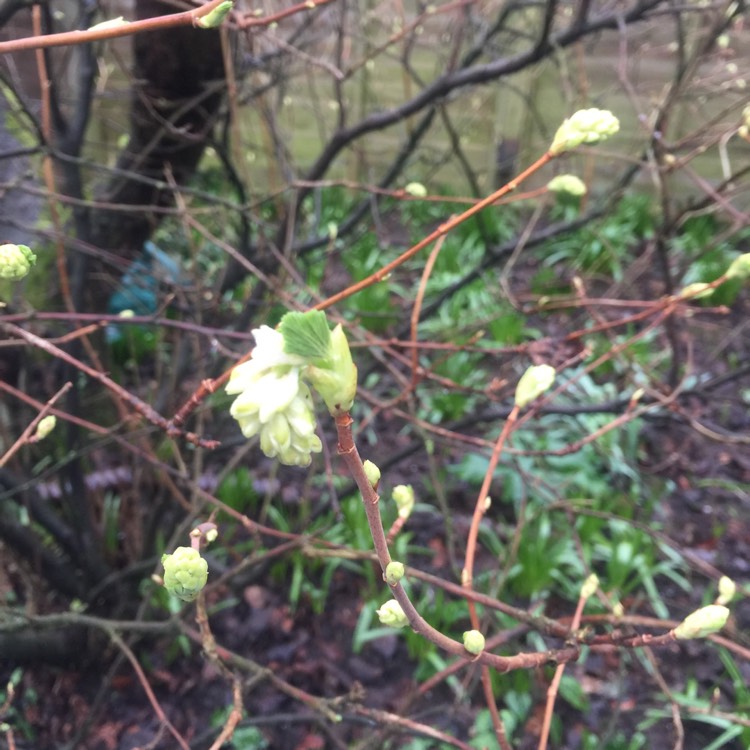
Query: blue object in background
x=138 y=289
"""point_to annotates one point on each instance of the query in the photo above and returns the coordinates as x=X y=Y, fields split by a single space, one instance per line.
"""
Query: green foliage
x=606 y=245
x=620 y=741
x=601 y=488
x=514 y=711
x=245 y=737
x=16 y=709
x=372 y=306
x=238 y=491
x=707 y=258
x=698 y=707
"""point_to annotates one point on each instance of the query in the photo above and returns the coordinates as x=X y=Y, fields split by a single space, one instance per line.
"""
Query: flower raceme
x=273 y=401
x=15 y=261
x=585 y=126
x=185 y=573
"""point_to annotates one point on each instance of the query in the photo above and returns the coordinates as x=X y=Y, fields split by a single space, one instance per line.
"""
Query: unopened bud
x=590 y=585
x=567 y=183
x=702 y=622
x=739 y=268
x=45 y=426
x=585 y=126
x=112 y=23
x=417 y=189
x=392 y=615
x=185 y=573
x=372 y=472
x=533 y=383
x=698 y=290
x=727 y=590
x=215 y=17
x=403 y=496
x=15 y=261
x=394 y=572
x=474 y=642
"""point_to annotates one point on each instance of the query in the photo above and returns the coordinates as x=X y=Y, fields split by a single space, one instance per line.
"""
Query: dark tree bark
x=176 y=98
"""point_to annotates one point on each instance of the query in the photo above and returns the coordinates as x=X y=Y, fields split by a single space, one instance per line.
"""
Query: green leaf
x=306 y=334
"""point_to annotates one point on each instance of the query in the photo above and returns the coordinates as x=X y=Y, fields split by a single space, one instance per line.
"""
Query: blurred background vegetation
x=210 y=180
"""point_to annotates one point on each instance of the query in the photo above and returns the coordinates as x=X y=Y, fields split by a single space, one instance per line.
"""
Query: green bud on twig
x=45 y=426
x=474 y=642
x=112 y=23
x=739 y=268
x=702 y=622
x=392 y=615
x=697 y=290
x=372 y=472
x=533 y=383
x=403 y=496
x=185 y=573
x=727 y=590
x=585 y=126
x=417 y=189
x=567 y=183
x=394 y=572
x=15 y=261
x=330 y=369
x=590 y=585
x=215 y=17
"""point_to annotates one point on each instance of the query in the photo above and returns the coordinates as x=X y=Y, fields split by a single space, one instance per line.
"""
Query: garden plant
x=345 y=404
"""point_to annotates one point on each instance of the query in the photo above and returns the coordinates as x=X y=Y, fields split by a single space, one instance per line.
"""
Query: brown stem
x=187 y=18
x=140 y=406
x=443 y=229
x=348 y=451
x=26 y=434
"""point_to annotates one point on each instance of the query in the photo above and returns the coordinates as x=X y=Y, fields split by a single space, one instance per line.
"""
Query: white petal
x=250 y=426
x=242 y=376
x=246 y=404
x=269 y=349
x=301 y=417
x=275 y=393
x=279 y=432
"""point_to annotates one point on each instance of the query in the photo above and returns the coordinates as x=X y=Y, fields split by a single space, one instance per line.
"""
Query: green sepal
x=215 y=17
x=306 y=335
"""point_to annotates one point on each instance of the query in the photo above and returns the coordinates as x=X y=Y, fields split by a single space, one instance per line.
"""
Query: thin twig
x=26 y=434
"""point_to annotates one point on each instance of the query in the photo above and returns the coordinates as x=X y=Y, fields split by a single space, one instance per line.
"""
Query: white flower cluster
x=274 y=402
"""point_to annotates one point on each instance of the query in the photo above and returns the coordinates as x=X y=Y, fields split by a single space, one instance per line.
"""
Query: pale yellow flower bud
x=702 y=622
x=474 y=642
x=585 y=126
x=567 y=183
x=739 y=268
x=372 y=472
x=417 y=189
x=403 y=496
x=697 y=290
x=15 y=261
x=45 y=426
x=392 y=615
x=727 y=590
x=590 y=585
x=533 y=383
x=185 y=573
x=394 y=572
x=215 y=17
